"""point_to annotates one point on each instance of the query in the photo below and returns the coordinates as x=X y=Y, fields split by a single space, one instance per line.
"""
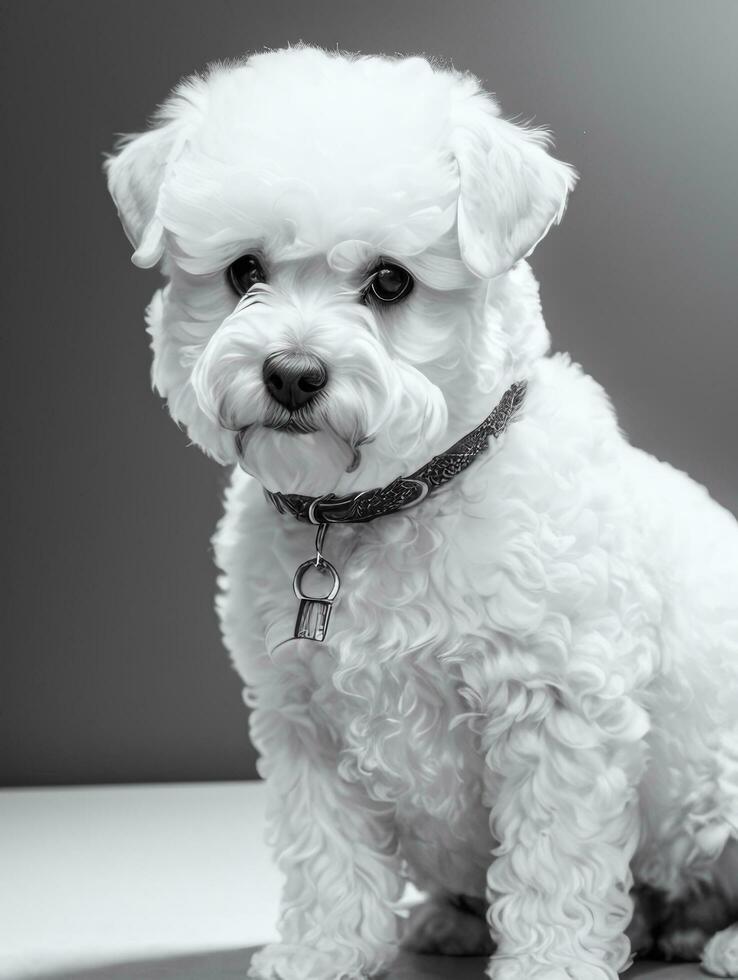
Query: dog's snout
x=292 y=378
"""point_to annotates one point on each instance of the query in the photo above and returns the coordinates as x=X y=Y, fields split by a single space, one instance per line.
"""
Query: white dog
x=526 y=700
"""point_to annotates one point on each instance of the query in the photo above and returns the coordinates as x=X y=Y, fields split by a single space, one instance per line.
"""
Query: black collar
x=366 y=505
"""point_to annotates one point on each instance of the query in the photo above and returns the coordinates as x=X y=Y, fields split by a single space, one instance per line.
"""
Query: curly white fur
x=529 y=694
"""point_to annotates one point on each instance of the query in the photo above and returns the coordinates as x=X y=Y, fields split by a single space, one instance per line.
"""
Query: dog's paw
x=720 y=956
x=525 y=968
x=282 y=961
x=436 y=927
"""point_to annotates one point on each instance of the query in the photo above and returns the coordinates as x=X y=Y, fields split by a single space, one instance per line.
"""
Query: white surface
x=153 y=882
x=107 y=874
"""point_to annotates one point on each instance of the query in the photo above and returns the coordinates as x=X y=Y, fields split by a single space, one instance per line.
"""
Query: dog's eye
x=390 y=283
x=245 y=273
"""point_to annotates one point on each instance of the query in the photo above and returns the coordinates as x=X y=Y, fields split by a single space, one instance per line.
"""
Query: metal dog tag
x=315 y=611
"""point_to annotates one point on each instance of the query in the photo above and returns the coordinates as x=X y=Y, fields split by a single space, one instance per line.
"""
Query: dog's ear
x=136 y=170
x=135 y=174
x=510 y=190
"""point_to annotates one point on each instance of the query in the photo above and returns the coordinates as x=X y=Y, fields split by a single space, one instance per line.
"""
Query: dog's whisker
x=228 y=425
x=355 y=462
x=241 y=439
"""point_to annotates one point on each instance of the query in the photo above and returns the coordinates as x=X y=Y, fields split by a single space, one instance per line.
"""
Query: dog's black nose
x=294 y=377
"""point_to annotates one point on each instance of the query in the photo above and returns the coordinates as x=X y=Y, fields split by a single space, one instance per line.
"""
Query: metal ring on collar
x=322 y=566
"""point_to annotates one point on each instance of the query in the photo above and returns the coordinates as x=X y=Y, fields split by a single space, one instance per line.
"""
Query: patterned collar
x=356 y=508
x=366 y=505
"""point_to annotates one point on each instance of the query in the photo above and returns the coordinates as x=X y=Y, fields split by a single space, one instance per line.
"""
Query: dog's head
x=341 y=236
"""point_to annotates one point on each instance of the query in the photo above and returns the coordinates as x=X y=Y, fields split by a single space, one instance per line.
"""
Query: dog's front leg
x=336 y=847
x=563 y=795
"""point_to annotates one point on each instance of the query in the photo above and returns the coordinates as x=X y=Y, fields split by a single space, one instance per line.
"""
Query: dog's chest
x=402 y=735
x=392 y=690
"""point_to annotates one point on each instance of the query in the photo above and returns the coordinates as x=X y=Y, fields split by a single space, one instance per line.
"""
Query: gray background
x=111 y=666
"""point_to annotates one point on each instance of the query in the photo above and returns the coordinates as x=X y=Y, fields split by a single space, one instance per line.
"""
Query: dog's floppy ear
x=136 y=170
x=510 y=190
x=135 y=175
